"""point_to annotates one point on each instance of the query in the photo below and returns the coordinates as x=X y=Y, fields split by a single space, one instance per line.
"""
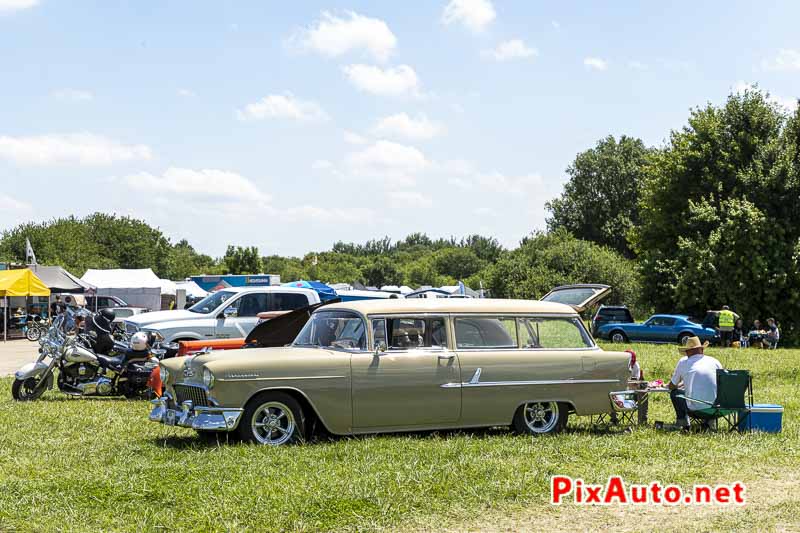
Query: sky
x=293 y=125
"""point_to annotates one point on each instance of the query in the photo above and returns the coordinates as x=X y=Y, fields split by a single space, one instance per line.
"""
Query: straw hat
x=691 y=344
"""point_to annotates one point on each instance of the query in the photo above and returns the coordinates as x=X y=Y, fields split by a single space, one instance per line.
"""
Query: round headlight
x=208 y=378
x=163 y=374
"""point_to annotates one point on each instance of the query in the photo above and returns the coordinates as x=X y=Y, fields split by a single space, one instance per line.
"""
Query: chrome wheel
x=618 y=337
x=540 y=417
x=273 y=423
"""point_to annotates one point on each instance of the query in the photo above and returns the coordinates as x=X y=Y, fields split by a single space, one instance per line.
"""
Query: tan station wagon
x=400 y=365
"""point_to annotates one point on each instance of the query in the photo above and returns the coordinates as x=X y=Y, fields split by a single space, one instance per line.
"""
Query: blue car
x=658 y=328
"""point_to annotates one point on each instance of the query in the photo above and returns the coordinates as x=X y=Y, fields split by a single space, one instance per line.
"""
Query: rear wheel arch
x=547 y=427
x=617 y=332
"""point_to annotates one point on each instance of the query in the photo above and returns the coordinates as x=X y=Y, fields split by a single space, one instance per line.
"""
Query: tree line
x=709 y=218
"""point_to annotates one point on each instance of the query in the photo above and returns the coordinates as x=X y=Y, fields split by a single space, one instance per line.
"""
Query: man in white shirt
x=694 y=377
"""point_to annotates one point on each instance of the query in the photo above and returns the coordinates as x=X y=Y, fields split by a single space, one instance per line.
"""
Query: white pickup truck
x=225 y=314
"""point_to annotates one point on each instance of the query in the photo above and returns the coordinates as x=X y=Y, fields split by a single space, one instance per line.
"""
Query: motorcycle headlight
x=163 y=374
x=208 y=378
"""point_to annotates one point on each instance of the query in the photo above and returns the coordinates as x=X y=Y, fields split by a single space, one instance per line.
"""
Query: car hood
x=145 y=319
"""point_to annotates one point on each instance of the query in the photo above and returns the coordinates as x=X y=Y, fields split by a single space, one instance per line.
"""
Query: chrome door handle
x=447 y=357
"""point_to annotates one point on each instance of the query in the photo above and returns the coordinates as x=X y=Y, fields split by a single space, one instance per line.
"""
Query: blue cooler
x=766 y=417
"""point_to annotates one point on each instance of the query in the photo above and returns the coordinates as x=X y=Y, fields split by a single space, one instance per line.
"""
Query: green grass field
x=99 y=465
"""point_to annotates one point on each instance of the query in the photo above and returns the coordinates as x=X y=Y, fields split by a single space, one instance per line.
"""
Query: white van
x=225 y=314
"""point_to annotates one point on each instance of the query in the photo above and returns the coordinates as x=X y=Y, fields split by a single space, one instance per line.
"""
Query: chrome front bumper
x=199 y=418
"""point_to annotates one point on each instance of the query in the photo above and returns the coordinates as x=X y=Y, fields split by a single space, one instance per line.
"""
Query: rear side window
x=287 y=301
x=553 y=333
x=480 y=332
x=614 y=315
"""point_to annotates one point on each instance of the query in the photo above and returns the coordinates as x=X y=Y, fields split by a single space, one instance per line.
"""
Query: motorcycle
x=82 y=370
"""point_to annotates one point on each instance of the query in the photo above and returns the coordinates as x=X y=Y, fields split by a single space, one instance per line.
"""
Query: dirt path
x=14 y=354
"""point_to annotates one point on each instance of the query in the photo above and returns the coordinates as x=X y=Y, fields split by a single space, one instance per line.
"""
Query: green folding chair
x=730 y=405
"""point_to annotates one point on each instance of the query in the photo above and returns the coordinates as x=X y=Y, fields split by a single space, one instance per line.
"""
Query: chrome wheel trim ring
x=273 y=424
x=683 y=340
x=618 y=337
x=540 y=417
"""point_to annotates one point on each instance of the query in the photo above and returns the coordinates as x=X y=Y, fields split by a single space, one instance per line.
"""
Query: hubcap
x=618 y=337
x=273 y=424
x=541 y=417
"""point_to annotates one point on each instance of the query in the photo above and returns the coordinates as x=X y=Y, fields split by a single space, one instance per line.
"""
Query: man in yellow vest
x=727 y=320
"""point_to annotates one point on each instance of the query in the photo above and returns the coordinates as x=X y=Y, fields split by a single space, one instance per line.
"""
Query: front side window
x=337 y=330
x=250 y=305
x=211 y=302
x=553 y=333
x=481 y=332
x=409 y=333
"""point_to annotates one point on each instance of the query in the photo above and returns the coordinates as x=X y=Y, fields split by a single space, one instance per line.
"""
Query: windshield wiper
x=307 y=344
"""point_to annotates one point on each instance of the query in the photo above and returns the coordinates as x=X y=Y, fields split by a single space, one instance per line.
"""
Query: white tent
x=193 y=290
x=168 y=287
x=138 y=287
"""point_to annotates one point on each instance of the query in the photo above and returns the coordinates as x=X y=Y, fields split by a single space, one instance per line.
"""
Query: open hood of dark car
x=282 y=330
x=579 y=296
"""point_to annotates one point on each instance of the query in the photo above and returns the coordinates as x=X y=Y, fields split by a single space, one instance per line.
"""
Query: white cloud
x=186 y=93
x=335 y=214
x=283 y=106
x=418 y=128
x=394 y=163
x=474 y=15
x=210 y=183
x=354 y=138
x=335 y=36
x=787 y=59
x=75 y=95
x=508 y=50
x=555 y=24
x=7 y=203
x=501 y=183
x=392 y=81
x=484 y=212
x=790 y=104
x=637 y=65
x=74 y=148
x=321 y=164
x=409 y=199
x=7 y=6
x=491 y=182
x=595 y=63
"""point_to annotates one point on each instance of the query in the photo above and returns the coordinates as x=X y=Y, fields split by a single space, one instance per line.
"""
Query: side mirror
x=380 y=348
x=229 y=312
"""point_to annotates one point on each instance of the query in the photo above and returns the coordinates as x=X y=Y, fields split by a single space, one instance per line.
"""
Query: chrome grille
x=193 y=393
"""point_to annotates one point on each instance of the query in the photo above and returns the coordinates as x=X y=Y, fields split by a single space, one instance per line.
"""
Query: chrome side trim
x=471 y=383
x=282 y=378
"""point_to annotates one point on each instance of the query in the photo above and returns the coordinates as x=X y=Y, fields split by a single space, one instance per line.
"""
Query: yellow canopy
x=21 y=282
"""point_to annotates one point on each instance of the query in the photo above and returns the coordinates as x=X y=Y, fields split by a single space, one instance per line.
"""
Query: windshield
x=338 y=330
x=211 y=302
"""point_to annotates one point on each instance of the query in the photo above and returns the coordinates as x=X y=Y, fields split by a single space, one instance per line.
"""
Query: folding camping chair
x=730 y=403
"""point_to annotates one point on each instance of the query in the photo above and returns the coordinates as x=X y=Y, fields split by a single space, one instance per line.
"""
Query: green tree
x=600 y=200
x=381 y=271
x=719 y=213
x=457 y=263
x=544 y=261
x=241 y=260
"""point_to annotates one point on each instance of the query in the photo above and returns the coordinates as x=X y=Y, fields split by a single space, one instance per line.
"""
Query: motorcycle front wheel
x=24 y=390
x=33 y=333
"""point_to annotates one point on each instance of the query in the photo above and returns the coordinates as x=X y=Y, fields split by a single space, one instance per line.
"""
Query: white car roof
x=267 y=288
